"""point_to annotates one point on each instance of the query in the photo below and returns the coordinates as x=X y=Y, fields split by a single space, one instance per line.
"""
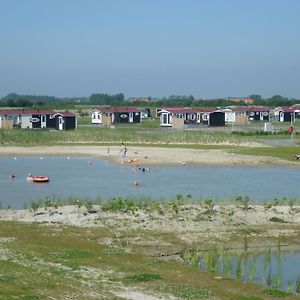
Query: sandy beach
x=151 y=155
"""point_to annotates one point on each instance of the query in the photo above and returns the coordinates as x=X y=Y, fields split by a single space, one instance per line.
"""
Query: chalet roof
x=179 y=110
x=183 y=110
x=288 y=109
x=207 y=110
x=26 y=112
x=65 y=114
x=251 y=108
x=120 y=109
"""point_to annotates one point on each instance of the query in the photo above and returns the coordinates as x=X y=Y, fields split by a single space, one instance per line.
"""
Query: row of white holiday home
x=108 y=116
x=262 y=113
x=169 y=116
x=178 y=116
x=211 y=117
x=37 y=119
x=118 y=114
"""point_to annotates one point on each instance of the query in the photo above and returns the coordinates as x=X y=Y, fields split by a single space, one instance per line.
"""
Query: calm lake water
x=280 y=269
x=75 y=177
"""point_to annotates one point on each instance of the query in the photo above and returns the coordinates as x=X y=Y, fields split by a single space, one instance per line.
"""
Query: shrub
x=244 y=201
x=186 y=291
x=278 y=220
x=143 y=277
x=275 y=292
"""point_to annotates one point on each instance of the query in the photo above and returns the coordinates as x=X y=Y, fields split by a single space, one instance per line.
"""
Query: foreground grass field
x=39 y=261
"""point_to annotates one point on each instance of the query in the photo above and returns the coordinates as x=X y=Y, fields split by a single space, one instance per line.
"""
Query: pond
x=76 y=177
x=274 y=269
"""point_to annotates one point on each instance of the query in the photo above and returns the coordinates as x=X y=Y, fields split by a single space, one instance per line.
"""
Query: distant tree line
x=106 y=99
x=98 y=99
x=31 y=101
x=274 y=101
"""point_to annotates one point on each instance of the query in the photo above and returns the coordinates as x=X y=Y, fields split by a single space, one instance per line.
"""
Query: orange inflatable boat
x=40 y=178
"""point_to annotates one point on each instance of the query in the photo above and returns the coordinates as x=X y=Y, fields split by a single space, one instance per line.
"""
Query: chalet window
x=165 y=119
x=205 y=117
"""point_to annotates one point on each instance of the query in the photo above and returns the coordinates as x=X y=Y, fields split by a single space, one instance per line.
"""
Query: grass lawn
x=39 y=261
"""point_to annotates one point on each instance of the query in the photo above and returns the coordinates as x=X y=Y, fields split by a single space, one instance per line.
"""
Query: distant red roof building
x=247 y=101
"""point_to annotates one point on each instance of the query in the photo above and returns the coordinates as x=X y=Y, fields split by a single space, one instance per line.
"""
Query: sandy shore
x=151 y=155
x=190 y=223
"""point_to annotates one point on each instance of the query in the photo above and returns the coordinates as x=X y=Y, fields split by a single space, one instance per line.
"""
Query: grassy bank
x=63 y=262
x=144 y=248
x=127 y=134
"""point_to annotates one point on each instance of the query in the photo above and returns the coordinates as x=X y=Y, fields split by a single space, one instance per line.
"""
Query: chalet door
x=281 y=116
x=43 y=121
x=165 y=119
x=130 y=117
x=60 y=123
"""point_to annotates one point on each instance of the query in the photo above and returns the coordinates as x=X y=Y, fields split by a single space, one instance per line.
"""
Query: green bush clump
x=70 y=254
x=249 y=298
x=278 y=220
x=143 y=277
x=6 y=277
x=275 y=292
x=119 y=204
x=186 y=291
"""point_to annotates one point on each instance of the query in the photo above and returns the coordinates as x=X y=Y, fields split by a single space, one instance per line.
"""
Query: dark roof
x=13 y=112
x=288 y=109
x=120 y=109
x=179 y=110
x=65 y=114
x=183 y=110
x=207 y=110
x=26 y=112
x=251 y=108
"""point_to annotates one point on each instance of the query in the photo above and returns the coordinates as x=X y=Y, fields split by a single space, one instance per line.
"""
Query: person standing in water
x=123 y=153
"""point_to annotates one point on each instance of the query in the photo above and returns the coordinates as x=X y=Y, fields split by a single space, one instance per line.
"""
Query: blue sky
x=158 y=48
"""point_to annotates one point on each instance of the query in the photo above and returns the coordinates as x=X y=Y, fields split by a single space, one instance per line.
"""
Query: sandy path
x=151 y=155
